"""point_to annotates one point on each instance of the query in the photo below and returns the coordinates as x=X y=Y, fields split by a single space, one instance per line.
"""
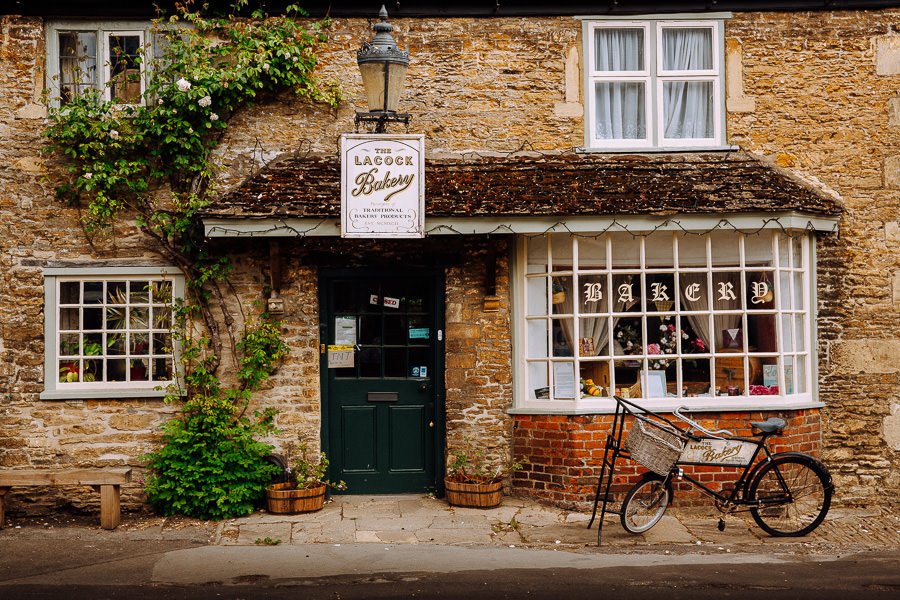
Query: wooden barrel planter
x=285 y=498
x=473 y=495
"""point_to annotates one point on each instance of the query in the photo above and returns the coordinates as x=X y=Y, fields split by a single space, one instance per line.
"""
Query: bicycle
x=788 y=494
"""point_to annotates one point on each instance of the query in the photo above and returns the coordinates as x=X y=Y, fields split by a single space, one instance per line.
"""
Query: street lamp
x=383 y=68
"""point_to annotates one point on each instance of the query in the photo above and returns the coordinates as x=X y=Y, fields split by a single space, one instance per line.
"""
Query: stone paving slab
x=410 y=519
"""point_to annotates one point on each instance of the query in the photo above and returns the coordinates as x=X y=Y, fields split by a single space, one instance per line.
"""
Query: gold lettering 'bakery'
x=368 y=183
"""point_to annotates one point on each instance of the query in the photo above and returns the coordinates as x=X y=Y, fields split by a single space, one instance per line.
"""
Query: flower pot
x=285 y=498
x=473 y=495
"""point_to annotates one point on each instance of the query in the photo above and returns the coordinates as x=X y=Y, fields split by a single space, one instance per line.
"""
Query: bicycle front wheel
x=645 y=504
x=792 y=494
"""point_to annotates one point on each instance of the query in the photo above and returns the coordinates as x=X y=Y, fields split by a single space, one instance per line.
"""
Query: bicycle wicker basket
x=653 y=446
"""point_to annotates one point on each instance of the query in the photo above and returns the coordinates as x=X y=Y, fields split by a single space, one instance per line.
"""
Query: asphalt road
x=869 y=575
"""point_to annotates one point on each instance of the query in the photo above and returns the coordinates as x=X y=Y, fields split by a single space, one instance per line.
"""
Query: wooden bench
x=109 y=482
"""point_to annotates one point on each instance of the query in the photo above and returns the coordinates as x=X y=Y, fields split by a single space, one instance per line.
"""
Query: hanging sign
x=382 y=186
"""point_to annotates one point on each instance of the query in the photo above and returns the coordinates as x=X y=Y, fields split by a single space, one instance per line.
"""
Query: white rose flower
x=190 y=130
x=88 y=175
x=159 y=101
x=204 y=101
x=183 y=84
x=114 y=134
x=266 y=67
x=287 y=54
x=213 y=117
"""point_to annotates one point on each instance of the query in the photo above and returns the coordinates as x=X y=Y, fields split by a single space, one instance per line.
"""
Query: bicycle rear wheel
x=645 y=503
x=793 y=492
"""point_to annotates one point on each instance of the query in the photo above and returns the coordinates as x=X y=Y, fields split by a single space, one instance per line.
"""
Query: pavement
x=357 y=535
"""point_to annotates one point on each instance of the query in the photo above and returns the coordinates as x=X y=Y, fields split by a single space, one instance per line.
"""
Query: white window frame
x=56 y=390
x=655 y=77
x=103 y=30
x=789 y=280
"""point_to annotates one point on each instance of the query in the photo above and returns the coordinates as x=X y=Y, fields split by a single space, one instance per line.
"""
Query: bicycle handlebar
x=696 y=425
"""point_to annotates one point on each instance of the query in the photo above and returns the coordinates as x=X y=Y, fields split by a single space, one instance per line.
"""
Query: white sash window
x=654 y=84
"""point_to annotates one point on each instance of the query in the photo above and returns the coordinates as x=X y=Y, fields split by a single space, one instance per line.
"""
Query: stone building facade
x=810 y=131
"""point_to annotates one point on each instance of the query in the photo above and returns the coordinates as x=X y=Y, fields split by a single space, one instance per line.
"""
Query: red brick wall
x=561 y=454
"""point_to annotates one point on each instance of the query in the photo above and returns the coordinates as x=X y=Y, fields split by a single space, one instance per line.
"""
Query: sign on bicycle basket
x=710 y=451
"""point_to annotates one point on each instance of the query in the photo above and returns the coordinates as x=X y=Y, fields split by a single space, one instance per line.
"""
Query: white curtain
x=688 y=104
x=620 y=104
x=700 y=323
x=77 y=62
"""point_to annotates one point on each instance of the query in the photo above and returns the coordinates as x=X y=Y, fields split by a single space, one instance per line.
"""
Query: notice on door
x=340 y=356
x=345 y=331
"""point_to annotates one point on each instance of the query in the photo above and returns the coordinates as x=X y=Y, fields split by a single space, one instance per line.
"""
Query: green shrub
x=210 y=465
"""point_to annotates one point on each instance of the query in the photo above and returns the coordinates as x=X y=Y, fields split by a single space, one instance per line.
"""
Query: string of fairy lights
x=284 y=228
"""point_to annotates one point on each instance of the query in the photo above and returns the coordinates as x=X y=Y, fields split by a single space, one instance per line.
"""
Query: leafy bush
x=210 y=466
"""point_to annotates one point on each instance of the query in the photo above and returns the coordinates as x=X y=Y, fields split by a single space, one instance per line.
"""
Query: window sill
x=607 y=406
x=656 y=150
x=102 y=394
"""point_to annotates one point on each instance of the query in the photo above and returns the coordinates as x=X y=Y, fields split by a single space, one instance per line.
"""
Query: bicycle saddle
x=771 y=425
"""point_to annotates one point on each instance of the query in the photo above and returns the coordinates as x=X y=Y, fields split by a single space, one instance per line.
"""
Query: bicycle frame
x=734 y=498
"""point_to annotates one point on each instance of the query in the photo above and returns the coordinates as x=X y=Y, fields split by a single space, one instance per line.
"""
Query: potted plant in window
x=470 y=482
x=304 y=490
x=559 y=292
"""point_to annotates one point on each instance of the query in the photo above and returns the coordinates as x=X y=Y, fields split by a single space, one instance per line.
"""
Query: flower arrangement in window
x=629 y=338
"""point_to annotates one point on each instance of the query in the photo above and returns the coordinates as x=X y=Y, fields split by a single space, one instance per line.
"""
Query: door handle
x=423 y=387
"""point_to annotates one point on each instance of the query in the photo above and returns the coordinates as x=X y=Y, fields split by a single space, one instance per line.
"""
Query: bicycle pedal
x=721 y=525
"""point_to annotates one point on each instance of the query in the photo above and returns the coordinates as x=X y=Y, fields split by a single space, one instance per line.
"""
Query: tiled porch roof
x=474 y=185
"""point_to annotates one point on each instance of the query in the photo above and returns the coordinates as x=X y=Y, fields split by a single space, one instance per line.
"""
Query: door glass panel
x=395 y=362
x=369 y=362
x=369 y=329
x=395 y=330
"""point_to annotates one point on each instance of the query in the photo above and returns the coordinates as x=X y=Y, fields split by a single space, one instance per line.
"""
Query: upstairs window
x=654 y=84
x=108 y=57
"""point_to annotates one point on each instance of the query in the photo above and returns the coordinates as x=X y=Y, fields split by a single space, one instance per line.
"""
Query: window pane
x=561 y=247
x=626 y=251
x=537 y=339
x=688 y=109
x=628 y=337
x=77 y=63
x=619 y=49
x=591 y=253
x=563 y=335
x=124 y=68
x=692 y=251
x=620 y=110
x=70 y=292
x=659 y=250
x=563 y=295
x=536 y=290
x=626 y=293
x=687 y=49
x=593 y=297
x=538 y=381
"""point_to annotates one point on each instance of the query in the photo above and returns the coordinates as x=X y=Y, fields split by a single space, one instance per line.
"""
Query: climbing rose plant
x=152 y=162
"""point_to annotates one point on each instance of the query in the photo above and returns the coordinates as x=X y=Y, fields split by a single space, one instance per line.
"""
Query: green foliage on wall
x=152 y=162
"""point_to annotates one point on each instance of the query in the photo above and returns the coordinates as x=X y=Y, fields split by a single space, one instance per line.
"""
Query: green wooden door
x=381 y=418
